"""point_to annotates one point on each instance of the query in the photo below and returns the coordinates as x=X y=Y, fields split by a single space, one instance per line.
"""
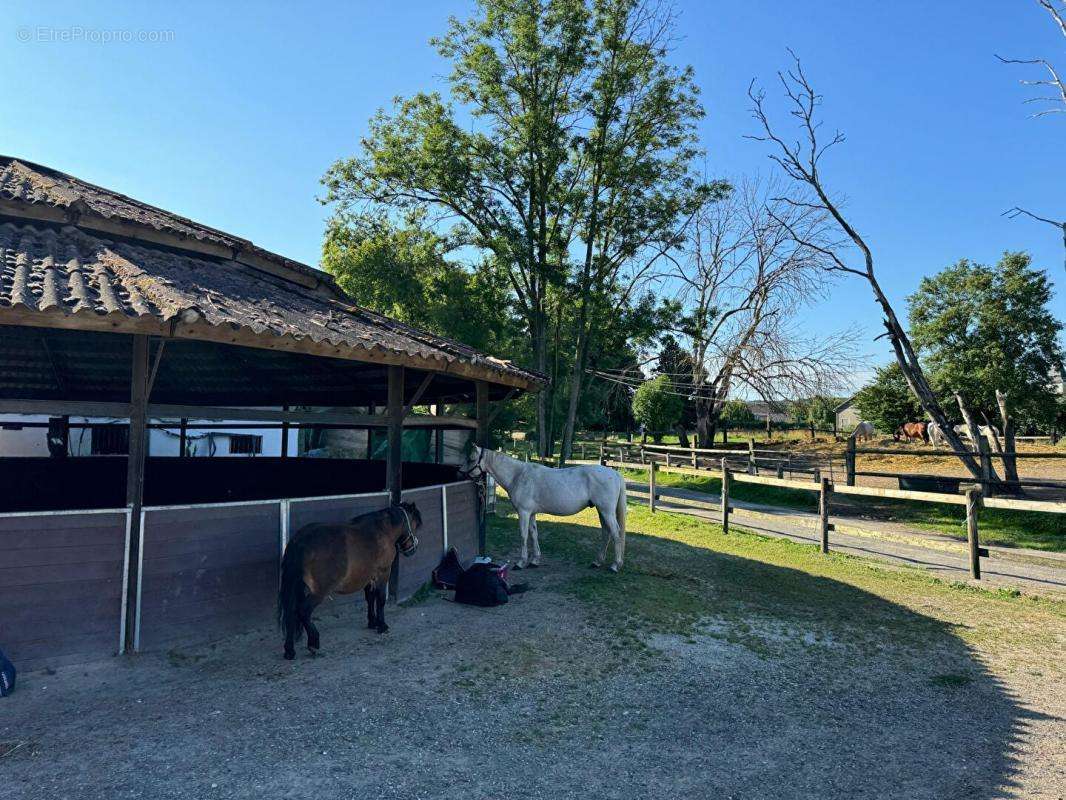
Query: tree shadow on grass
x=773 y=682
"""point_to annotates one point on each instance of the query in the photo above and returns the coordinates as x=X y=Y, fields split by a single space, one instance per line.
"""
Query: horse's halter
x=408 y=543
x=469 y=473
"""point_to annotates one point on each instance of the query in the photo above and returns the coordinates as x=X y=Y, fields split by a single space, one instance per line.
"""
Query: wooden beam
x=482 y=439
x=426 y=381
x=394 y=456
x=499 y=405
x=138 y=443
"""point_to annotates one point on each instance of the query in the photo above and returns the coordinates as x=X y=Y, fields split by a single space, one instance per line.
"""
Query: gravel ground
x=533 y=700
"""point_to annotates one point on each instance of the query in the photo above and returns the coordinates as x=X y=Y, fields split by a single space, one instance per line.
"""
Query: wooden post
x=986 y=465
x=780 y=469
x=849 y=461
x=285 y=436
x=752 y=469
x=812 y=431
x=817 y=474
x=653 y=467
x=183 y=438
x=603 y=456
x=823 y=512
x=725 y=433
x=973 y=502
x=582 y=445
x=725 y=496
x=394 y=454
x=668 y=458
x=694 y=457
x=135 y=480
x=483 y=439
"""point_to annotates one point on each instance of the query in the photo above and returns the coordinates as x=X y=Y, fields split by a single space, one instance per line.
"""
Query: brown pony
x=322 y=560
x=911 y=430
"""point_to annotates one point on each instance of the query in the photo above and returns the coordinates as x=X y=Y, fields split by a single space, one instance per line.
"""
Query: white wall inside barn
x=15 y=441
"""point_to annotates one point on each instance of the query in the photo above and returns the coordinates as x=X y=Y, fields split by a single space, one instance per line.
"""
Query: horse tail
x=620 y=514
x=292 y=589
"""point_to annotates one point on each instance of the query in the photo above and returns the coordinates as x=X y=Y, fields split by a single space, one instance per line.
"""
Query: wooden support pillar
x=726 y=479
x=285 y=436
x=482 y=438
x=752 y=469
x=823 y=512
x=653 y=468
x=973 y=502
x=394 y=456
x=394 y=451
x=135 y=481
x=183 y=437
x=849 y=461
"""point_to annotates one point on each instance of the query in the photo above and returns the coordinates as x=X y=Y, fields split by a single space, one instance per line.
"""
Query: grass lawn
x=684 y=577
x=1031 y=529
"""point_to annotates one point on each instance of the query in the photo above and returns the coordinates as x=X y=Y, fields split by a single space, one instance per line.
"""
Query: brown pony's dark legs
x=371 y=599
x=307 y=607
x=380 y=592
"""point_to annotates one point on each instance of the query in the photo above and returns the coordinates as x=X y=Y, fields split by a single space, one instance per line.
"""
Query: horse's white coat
x=533 y=488
x=864 y=431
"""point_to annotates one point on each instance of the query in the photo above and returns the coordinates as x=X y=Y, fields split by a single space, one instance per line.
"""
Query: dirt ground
x=544 y=698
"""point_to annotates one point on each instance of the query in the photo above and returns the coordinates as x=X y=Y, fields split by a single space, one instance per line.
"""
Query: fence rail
x=973 y=499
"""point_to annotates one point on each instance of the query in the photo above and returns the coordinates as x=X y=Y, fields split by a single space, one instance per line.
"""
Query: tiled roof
x=123 y=284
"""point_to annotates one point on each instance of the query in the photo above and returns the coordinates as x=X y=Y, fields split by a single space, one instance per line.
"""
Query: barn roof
x=77 y=256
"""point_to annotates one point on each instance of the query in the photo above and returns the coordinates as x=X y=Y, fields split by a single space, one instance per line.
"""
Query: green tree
x=657 y=406
x=562 y=153
x=980 y=329
x=736 y=414
x=887 y=401
x=403 y=271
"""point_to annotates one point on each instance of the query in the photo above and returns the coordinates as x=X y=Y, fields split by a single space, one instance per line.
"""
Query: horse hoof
x=614 y=568
x=595 y=565
x=383 y=628
x=533 y=564
x=290 y=656
x=520 y=565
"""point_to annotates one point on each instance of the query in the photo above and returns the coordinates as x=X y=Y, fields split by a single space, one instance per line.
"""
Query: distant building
x=778 y=412
x=846 y=416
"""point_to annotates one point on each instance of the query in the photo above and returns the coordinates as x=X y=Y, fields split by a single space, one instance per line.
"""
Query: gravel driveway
x=537 y=699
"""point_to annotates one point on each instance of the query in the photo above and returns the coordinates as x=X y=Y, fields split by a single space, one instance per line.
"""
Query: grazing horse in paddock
x=340 y=559
x=936 y=436
x=533 y=488
x=911 y=430
x=863 y=432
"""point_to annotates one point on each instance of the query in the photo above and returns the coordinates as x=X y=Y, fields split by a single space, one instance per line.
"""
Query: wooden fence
x=973 y=498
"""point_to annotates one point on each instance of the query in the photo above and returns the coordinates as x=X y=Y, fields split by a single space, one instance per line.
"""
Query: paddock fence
x=742 y=466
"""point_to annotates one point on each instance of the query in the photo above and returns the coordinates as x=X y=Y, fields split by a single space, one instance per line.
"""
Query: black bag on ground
x=7 y=676
x=481 y=586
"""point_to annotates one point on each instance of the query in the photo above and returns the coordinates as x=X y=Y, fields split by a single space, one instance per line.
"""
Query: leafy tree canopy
x=887 y=402
x=656 y=405
x=982 y=328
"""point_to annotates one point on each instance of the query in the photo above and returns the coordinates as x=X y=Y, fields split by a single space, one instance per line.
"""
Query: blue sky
x=235 y=115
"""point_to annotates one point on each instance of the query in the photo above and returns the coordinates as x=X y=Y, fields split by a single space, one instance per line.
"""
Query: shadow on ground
x=693 y=674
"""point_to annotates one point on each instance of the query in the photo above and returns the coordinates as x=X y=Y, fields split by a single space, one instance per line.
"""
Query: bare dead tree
x=1053 y=103
x=800 y=160
x=740 y=282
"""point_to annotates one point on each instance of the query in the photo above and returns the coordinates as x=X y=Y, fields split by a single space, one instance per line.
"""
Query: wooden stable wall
x=61 y=586
x=208 y=571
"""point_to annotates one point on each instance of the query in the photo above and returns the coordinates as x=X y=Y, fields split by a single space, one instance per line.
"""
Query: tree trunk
x=1010 y=461
x=682 y=436
x=576 y=376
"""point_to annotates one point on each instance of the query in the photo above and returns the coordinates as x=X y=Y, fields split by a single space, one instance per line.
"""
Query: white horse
x=533 y=489
x=864 y=431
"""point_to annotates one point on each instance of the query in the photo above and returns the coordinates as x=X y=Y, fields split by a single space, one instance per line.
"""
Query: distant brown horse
x=911 y=430
x=322 y=560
